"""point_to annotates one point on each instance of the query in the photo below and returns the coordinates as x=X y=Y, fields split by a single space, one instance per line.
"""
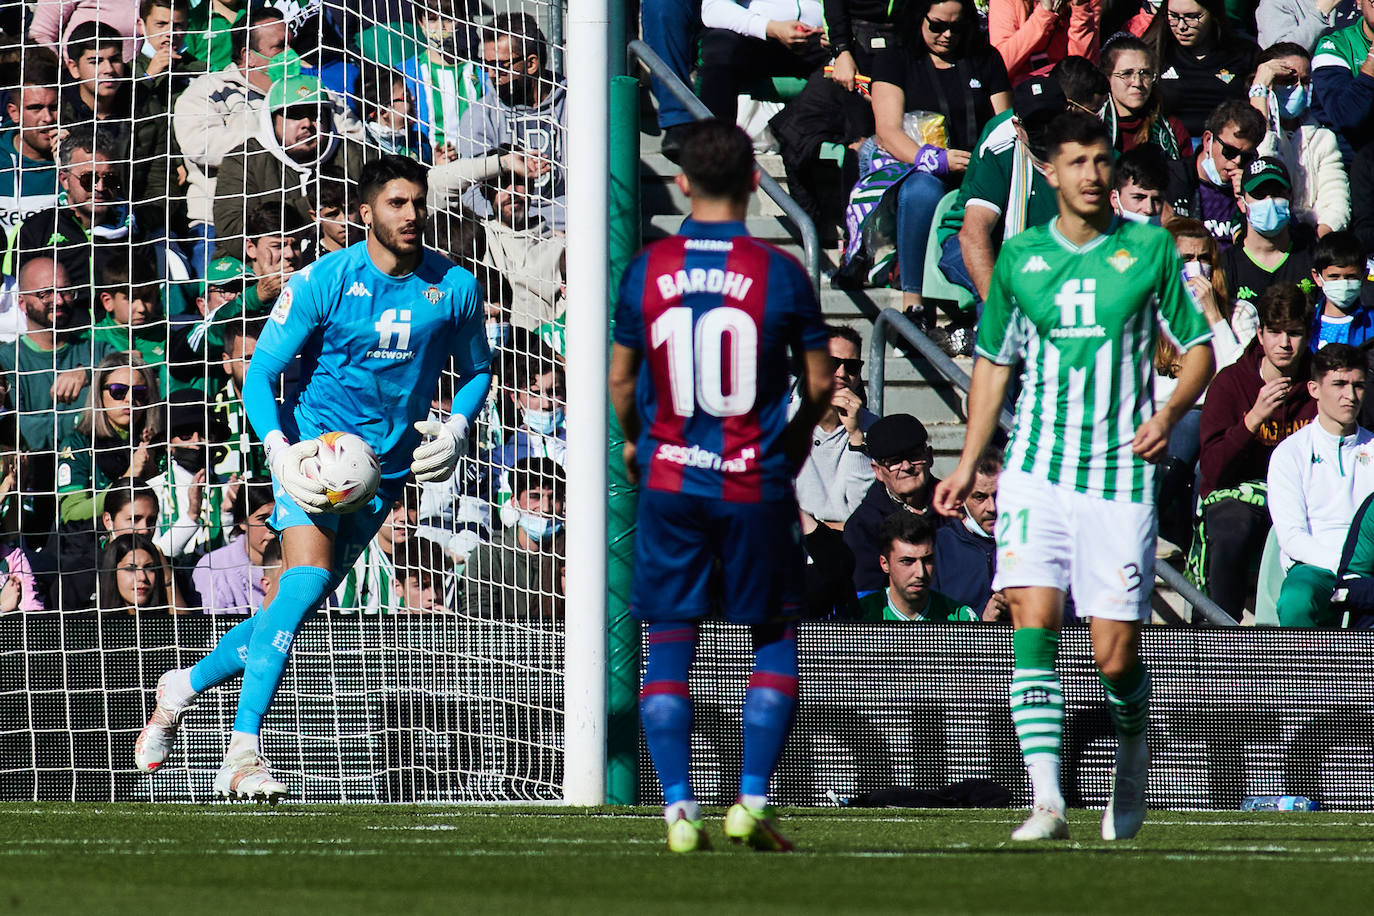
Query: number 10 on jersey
x=712 y=364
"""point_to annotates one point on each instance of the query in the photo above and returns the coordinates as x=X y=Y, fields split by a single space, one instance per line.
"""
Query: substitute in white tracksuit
x=1318 y=477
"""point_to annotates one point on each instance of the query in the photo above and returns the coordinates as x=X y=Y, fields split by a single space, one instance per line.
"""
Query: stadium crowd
x=166 y=167
x=1244 y=128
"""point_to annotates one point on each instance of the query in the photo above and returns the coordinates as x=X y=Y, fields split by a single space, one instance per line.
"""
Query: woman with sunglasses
x=1034 y=35
x=135 y=578
x=1202 y=62
x=1135 y=114
x=119 y=435
x=946 y=67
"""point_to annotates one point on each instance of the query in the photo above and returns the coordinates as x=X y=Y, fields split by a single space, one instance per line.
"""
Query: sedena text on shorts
x=1049 y=535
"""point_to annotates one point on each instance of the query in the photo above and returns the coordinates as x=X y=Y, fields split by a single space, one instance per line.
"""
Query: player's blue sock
x=299 y=593
x=226 y=660
x=665 y=707
x=769 y=704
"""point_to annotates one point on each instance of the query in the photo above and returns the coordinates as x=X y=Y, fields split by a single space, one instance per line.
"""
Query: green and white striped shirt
x=1083 y=324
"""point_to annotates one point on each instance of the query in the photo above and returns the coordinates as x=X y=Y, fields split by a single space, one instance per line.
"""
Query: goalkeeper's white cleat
x=1044 y=823
x=248 y=776
x=154 y=744
x=1126 y=807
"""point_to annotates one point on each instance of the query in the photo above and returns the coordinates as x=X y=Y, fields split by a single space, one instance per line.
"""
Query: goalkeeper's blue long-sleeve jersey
x=372 y=347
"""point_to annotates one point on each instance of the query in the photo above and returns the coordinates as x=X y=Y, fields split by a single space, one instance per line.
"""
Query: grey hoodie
x=489 y=124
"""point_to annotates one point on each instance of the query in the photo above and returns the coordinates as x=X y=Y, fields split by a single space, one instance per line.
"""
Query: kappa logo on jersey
x=357 y=289
x=1035 y=265
x=282 y=310
x=1077 y=302
x=393 y=336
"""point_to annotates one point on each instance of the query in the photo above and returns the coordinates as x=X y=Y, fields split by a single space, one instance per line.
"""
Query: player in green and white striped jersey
x=1078 y=304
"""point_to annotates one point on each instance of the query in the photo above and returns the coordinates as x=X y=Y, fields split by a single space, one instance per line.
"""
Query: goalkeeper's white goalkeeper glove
x=285 y=461
x=435 y=459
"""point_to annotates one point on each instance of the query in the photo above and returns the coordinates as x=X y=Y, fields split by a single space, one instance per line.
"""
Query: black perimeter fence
x=412 y=708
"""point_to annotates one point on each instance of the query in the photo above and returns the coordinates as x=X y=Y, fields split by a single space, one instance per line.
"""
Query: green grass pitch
x=390 y=861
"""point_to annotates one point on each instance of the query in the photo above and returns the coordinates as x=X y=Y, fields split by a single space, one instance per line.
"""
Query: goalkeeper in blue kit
x=374 y=326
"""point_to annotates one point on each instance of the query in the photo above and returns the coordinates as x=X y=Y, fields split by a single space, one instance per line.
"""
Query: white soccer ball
x=348 y=468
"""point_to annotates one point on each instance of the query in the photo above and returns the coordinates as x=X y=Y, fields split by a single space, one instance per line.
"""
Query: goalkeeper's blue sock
x=1037 y=711
x=665 y=707
x=300 y=592
x=226 y=660
x=769 y=704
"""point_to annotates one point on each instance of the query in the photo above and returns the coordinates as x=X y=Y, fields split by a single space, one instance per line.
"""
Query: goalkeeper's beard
x=392 y=241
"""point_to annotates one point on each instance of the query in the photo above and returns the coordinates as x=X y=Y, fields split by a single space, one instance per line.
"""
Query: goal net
x=167 y=168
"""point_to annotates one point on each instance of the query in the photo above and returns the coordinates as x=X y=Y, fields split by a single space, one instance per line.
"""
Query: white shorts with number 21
x=1054 y=536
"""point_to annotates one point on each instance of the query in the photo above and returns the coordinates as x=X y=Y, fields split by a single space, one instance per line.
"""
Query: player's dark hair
x=1074 y=127
x=718 y=160
x=1285 y=307
x=524 y=33
x=1283 y=49
x=379 y=171
x=845 y=332
x=271 y=219
x=1144 y=167
x=907 y=527
x=92 y=36
x=533 y=473
x=1337 y=357
x=1338 y=249
x=107 y=581
x=1080 y=80
x=240 y=32
x=990 y=462
x=252 y=496
x=124 y=491
x=1245 y=120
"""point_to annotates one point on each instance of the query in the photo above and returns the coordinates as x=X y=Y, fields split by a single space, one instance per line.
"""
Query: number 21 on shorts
x=698 y=360
x=1013 y=524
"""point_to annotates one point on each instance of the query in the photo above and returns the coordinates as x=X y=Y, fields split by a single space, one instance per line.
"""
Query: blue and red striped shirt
x=719 y=316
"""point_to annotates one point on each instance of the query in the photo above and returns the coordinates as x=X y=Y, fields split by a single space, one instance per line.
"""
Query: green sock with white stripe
x=1128 y=700
x=1037 y=711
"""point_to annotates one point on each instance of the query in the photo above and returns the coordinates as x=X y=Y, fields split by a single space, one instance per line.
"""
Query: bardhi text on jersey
x=701 y=280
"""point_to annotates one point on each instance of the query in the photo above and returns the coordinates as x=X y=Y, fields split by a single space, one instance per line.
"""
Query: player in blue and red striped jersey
x=710 y=327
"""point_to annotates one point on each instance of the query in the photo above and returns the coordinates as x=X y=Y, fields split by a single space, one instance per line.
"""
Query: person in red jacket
x=1251 y=407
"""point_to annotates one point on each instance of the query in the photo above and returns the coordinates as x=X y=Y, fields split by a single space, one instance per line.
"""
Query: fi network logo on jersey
x=1034 y=265
x=1077 y=302
x=393 y=336
x=357 y=289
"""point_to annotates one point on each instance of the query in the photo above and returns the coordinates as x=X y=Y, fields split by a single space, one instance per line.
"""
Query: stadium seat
x=934 y=285
x=1269 y=584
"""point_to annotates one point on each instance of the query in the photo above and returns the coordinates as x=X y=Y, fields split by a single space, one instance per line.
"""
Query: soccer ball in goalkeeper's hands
x=348 y=469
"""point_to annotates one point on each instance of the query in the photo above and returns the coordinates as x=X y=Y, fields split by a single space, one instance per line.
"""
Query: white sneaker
x=248 y=775
x=1044 y=823
x=1126 y=805
x=154 y=744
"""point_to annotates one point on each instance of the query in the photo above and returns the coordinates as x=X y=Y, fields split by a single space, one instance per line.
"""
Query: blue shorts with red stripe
x=697 y=554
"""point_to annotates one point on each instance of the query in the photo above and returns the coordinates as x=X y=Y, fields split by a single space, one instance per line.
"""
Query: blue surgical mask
x=1269 y=216
x=544 y=422
x=539 y=527
x=1343 y=294
x=499 y=334
x=1209 y=167
x=1293 y=100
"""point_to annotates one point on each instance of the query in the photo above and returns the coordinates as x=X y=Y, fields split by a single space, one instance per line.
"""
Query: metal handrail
x=892 y=321
x=810 y=240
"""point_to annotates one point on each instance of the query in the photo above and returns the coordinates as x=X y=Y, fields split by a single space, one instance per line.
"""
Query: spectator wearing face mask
x=516 y=573
x=1273 y=249
x=535 y=398
x=196 y=507
x=1140 y=179
x=1338 y=267
x=1282 y=92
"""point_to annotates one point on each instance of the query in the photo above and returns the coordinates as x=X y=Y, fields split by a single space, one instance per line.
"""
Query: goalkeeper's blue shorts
x=352 y=532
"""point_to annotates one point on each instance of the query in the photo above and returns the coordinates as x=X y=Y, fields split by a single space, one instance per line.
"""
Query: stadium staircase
x=914 y=386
